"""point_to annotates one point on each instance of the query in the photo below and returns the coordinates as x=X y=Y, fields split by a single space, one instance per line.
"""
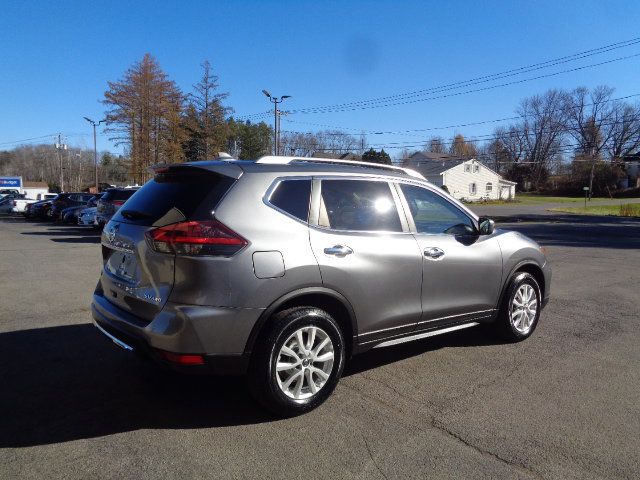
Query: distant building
x=35 y=190
x=632 y=171
x=464 y=178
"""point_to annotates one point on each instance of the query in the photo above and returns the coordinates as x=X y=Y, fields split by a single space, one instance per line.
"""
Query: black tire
x=504 y=324
x=262 y=380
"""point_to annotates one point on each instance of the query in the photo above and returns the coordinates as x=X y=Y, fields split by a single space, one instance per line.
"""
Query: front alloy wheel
x=520 y=310
x=524 y=308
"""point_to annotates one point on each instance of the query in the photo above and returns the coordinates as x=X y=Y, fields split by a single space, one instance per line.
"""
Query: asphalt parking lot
x=563 y=404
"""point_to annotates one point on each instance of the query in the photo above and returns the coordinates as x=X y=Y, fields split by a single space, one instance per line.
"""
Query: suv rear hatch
x=139 y=242
x=112 y=199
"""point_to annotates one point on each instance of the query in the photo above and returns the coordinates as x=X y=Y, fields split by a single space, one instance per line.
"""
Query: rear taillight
x=117 y=203
x=206 y=237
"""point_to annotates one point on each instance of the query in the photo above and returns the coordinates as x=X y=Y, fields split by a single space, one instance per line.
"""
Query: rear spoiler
x=228 y=169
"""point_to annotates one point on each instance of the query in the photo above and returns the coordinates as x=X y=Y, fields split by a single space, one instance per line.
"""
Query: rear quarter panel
x=232 y=282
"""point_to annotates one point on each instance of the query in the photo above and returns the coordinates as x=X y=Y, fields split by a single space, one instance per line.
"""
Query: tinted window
x=119 y=194
x=292 y=196
x=358 y=205
x=434 y=214
x=191 y=192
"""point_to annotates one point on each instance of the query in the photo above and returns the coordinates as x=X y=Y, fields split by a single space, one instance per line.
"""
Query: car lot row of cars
x=80 y=208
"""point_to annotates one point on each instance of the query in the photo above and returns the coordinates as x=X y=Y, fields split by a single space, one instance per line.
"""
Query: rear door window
x=358 y=205
x=292 y=196
x=181 y=194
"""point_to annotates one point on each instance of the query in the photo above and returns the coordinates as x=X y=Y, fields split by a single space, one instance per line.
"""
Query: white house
x=464 y=179
x=35 y=190
x=632 y=171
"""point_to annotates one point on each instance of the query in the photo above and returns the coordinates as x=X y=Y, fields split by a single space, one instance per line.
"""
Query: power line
x=29 y=139
x=377 y=102
x=446 y=127
x=496 y=76
x=465 y=92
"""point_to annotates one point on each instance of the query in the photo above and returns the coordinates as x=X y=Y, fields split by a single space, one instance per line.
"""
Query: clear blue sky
x=56 y=57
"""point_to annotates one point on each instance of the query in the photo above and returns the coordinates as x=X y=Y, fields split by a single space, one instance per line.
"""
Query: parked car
x=87 y=217
x=66 y=200
x=111 y=200
x=15 y=205
x=39 y=209
x=284 y=268
x=7 y=203
x=70 y=214
x=5 y=192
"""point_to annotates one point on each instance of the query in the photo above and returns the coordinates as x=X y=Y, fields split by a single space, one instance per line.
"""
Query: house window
x=489 y=187
x=472 y=188
x=467 y=168
x=476 y=168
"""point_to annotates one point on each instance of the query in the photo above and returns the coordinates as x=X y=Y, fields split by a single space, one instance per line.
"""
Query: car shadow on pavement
x=68 y=382
x=71 y=234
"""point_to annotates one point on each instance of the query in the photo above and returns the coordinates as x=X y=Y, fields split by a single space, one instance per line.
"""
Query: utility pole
x=276 y=120
x=95 y=150
x=60 y=146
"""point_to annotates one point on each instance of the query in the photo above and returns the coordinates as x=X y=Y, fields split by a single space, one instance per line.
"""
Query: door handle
x=338 y=250
x=434 y=253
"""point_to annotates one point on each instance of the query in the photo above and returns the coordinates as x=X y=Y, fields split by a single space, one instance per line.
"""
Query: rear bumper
x=218 y=334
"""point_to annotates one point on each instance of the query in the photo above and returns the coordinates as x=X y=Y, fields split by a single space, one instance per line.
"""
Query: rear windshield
x=118 y=194
x=189 y=194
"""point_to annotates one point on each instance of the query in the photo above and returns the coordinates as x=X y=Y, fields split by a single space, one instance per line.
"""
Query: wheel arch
x=527 y=266
x=327 y=299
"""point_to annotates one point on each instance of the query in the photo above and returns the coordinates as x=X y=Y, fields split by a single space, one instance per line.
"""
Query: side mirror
x=486 y=226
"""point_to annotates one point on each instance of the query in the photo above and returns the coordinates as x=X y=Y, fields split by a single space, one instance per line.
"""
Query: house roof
x=430 y=168
x=430 y=164
x=35 y=185
x=431 y=156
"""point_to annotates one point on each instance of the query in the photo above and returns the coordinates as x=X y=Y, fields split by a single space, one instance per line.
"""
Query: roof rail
x=282 y=160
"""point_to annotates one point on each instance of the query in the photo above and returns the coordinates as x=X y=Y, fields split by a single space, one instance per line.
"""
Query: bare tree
x=144 y=115
x=436 y=145
x=589 y=120
x=335 y=142
x=461 y=148
x=205 y=117
x=539 y=135
x=624 y=136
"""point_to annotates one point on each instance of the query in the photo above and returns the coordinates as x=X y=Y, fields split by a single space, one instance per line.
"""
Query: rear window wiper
x=134 y=215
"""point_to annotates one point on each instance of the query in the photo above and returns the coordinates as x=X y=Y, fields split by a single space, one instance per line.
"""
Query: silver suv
x=283 y=268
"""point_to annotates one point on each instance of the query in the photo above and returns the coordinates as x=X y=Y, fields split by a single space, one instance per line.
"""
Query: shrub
x=630 y=210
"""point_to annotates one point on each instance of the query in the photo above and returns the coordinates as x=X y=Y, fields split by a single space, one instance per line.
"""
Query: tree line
x=588 y=127
x=154 y=121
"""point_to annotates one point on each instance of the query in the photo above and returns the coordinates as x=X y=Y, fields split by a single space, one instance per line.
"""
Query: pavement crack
x=373 y=461
x=519 y=466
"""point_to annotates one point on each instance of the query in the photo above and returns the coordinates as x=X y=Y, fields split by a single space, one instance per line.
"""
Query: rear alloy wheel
x=520 y=309
x=299 y=361
x=304 y=363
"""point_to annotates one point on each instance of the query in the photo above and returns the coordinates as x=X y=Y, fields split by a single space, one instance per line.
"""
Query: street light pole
x=95 y=149
x=60 y=146
x=276 y=119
